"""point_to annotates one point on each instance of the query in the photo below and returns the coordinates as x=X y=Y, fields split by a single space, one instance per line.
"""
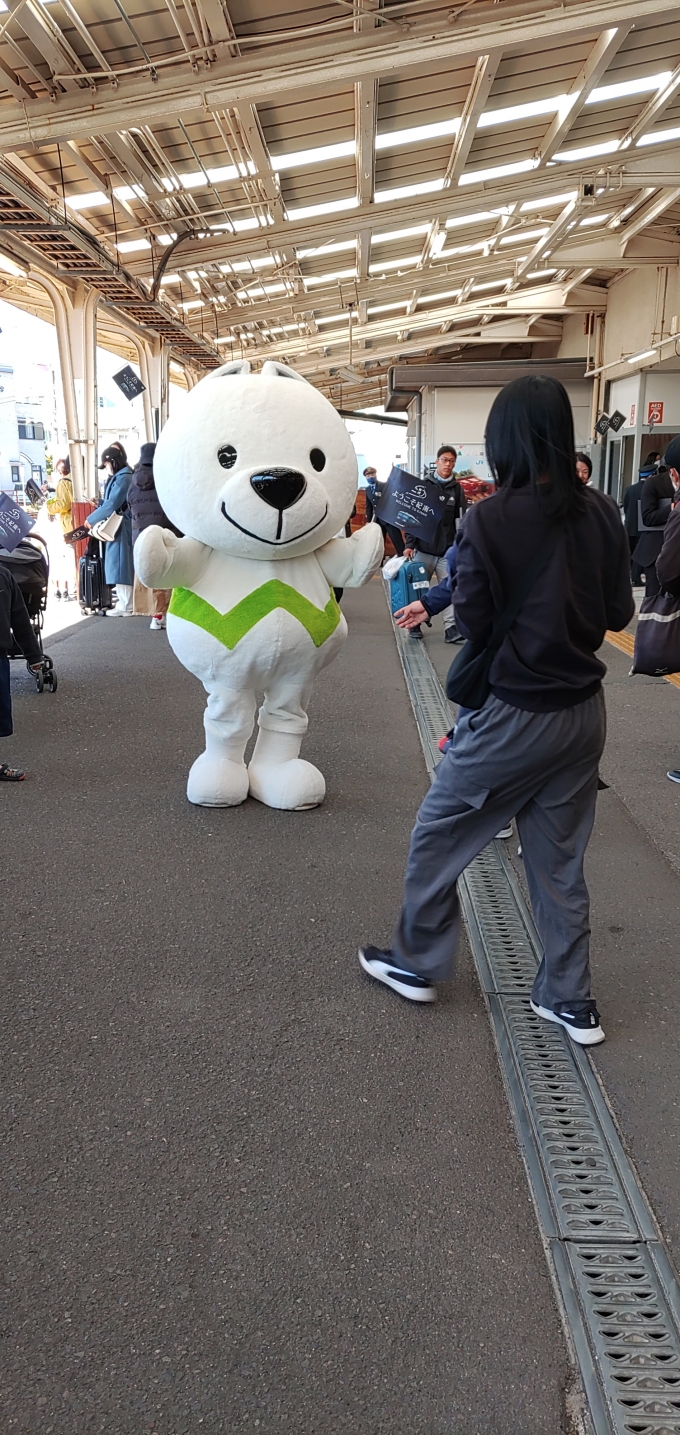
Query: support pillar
x=75 y=317
x=154 y=358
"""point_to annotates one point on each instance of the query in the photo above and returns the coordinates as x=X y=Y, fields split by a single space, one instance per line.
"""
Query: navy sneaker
x=379 y=964
x=674 y=774
x=415 y=633
x=580 y=1019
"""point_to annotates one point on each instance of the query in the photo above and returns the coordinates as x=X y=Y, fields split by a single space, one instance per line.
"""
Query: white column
x=75 y=317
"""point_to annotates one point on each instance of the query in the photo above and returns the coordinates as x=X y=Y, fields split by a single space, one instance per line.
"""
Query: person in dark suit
x=655 y=502
x=631 y=498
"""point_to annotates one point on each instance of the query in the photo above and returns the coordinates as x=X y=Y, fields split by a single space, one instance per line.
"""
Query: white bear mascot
x=258 y=471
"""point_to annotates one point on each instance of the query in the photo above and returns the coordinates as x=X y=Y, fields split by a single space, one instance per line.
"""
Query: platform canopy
x=344 y=184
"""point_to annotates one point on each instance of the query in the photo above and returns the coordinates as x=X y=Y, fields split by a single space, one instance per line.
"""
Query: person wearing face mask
x=432 y=555
x=118 y=565
x=655 y=505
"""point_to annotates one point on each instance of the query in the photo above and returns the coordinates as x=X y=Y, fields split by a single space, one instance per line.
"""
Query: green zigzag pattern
x=230 y=627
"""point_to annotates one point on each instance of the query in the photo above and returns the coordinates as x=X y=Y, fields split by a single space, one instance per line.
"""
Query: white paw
x=217 y=782
x=292 y=785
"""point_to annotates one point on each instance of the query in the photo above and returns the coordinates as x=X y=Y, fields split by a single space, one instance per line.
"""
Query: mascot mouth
x=274 y=542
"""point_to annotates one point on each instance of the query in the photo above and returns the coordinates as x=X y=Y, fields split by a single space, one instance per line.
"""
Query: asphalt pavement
x=244 y=1188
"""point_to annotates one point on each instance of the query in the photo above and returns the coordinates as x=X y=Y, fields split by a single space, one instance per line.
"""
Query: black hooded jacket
x=142 y=499
x=452 y=508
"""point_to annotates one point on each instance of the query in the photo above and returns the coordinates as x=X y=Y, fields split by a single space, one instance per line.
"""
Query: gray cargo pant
x=541 y=768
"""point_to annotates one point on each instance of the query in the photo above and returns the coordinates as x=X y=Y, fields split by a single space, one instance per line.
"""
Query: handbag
x=107 y=528
x=467 y=682
x=657 y=639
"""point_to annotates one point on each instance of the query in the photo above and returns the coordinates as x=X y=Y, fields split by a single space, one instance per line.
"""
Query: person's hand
x=411 y=616
x=409 y=553
x=35 y=667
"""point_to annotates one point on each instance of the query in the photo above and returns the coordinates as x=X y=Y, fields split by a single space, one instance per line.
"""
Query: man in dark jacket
x=431 y=555
x=668 y=561
x=145 y=510
x=631 y=498
x=655 y=502
x=14 y=620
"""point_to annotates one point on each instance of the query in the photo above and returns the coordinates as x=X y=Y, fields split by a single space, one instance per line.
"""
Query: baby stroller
x=29 y=565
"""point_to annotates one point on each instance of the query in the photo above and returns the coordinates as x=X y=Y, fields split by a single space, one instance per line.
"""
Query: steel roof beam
x=653 y=110
x=378 y=53
x=477 y=96
x=586 y=81
x=646 y=216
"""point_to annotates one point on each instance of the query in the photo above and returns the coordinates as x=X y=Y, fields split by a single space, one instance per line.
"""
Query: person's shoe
x=120 y=612
x=450 y=635
x=674 y=774
x=415 y=633
x=504 y=832
x=379 y=964
x=157 y=622
x=580 y=1019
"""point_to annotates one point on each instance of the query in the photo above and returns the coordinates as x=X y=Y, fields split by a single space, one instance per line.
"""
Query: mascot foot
x=279 y=778
x=217 y=782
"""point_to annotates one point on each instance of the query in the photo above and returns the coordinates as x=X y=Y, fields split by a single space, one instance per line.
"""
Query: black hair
x=583 y=458
x=652 y=457
x=530 y=440
x=671 y=457
x=115 y=455
x=447 y=448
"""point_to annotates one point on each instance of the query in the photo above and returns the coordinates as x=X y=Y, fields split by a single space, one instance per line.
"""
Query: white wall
x=458 y=416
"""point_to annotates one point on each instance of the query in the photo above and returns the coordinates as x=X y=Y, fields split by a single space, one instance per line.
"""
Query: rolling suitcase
x=408 y=583
x=94 y=593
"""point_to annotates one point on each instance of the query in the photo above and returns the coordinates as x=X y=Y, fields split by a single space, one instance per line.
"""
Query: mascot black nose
x=280 y=487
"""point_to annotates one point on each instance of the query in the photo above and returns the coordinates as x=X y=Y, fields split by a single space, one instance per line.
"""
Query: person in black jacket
x=631 y=498
x=655 y=502
x=431 y=555
x=145 y=509
x=533 y=748
x=14 y=620
x=668 y=561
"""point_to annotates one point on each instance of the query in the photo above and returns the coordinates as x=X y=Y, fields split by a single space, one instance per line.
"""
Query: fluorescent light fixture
x=590 y=151
x=659 y=137
x=87 y=201
x=406 y=263
x=594 y=219
x=550 y=203
x=521 y=112
x=640 y=86
x=312 y=279
x=302 y=157
x=477 y=176
x=646 y=354
x=394 y=138
x=334 y=206
x=522 y=236
x=399 y=234
x=407 y=191
x=128 y=246
x=338 y=248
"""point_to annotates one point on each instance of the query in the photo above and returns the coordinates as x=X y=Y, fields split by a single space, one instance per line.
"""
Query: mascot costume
x=258 y=471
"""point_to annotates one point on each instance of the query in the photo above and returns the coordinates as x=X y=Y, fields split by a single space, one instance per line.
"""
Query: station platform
x=244 y=1187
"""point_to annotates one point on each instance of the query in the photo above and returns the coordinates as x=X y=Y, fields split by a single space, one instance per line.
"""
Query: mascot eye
x=227 y=455
x=318 y=459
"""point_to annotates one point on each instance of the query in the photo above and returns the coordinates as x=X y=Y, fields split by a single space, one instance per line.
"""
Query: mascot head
x=258 y=465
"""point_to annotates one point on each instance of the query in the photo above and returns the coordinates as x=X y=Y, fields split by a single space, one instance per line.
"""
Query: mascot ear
x=271 y=367
x=237 y=366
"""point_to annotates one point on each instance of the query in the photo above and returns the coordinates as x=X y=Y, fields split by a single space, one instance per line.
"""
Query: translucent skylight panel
x=321 y=154
x=333 y=206
x=87 y=201
x=659 y=137
x=407 y=262
x=550 y=203
x=408 y=191
x=338 y=248
x=523 y=236
x=128 y=246
x=416 y=134
x=592 y=151
x=512 y=113
x=394 y=234
x=459 y=221
x=477 y=176
x=331 y=278
x=641 y=86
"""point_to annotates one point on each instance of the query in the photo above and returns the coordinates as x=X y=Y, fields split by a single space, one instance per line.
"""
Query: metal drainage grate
x=620 y=1296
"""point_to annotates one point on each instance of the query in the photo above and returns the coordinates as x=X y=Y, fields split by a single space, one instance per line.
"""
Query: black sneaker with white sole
x=379 y=964
x=674 y=774
x=580 y=1019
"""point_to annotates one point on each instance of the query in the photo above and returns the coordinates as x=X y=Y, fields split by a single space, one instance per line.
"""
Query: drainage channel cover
x=620 y=1297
